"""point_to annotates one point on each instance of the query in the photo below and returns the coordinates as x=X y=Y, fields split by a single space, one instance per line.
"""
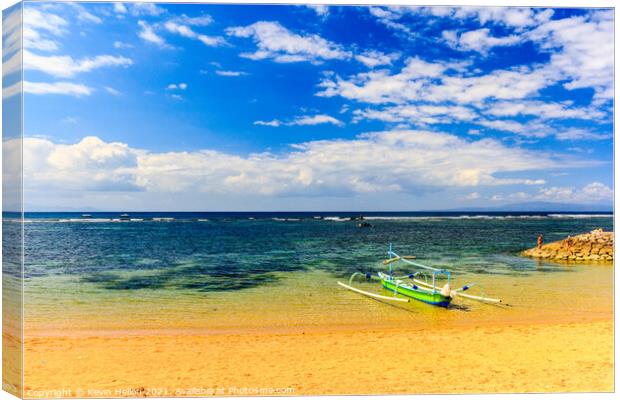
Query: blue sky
x=134 y=106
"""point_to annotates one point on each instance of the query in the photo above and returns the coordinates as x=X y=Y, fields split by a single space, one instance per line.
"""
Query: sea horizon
x=330 y=212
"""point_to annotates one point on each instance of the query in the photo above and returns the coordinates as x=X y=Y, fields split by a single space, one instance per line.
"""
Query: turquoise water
x=230 y=271
x=224 y=252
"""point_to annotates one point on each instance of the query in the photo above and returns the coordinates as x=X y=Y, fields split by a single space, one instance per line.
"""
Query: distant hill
x=541 y=206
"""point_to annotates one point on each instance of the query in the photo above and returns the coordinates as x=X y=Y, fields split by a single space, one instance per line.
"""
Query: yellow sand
x=528 y=358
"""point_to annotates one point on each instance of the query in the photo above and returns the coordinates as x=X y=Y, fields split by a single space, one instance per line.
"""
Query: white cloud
x=230 y=73
x=40 y=30
x=397 y=17
x=147 y=33
x=317 y=120
x=186 y=31
x=112 y=91
x=479 y=40
x=542 y=110
x=321 y=10
x=518 y=196
x=514 y=17
x=506 y=125
x=177 y=86
x=499 y=84
x=11 y=32
x=418 y=114
x=382 y=87
x=537 y=129
x=485 y=96
x=84 y=15
x=274 y=123
x=394 y=161
x=120 y=8
x=582 y=134
x=532 y=129
x=146 y=9
x=202 y=20
x=12 y=90
x=34 y=41
x=49 y=22
x=581 y=47
x=91 y=164
x=303 y=120
x=41 y=88
x=473 y=196
x=596 y=191
x=12 y=65
x=438 y=82
x=122 y=45
x=581 y=55
x=592 y=193
x=520 y=17
x=389 y=16
x=373 y=58
x=582 y=50
x=11 y=44
x=66 y=66
x=278 y=43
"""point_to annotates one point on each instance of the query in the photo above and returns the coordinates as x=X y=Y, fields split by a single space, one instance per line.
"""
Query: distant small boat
x=364 y=224
x=124 y=217
x=319 y=217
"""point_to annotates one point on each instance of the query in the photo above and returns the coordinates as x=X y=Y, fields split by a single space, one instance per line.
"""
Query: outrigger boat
x=415 y=288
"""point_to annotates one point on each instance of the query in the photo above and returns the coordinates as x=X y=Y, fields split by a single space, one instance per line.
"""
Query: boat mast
x=390 y=258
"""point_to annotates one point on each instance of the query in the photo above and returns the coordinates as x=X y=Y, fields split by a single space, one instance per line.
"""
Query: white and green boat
x=411 y=286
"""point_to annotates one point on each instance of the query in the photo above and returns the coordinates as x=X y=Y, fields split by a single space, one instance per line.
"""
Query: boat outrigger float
x=412 y=286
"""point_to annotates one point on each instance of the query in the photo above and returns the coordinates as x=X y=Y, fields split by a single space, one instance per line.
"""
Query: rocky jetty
x=595 y=246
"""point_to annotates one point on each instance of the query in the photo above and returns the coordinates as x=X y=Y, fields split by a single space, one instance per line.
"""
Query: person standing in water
x=539 y=241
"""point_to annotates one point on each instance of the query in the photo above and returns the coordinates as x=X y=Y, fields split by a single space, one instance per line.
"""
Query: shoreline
x=517 y=320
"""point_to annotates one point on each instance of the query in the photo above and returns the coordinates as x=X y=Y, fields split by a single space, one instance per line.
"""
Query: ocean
x=201 y=270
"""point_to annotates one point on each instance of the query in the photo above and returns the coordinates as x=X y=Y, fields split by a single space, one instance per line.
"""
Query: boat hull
x=435 y=299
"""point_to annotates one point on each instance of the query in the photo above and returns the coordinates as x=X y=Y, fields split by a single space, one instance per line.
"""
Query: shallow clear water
x=206 y=270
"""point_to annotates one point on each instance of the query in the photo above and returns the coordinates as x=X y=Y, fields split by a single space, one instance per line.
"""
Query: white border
x=528 y=3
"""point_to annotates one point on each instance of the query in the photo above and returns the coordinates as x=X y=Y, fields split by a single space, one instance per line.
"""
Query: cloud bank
x=393 y=161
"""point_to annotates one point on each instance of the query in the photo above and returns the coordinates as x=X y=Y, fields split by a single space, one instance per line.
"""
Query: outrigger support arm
x=374 y=295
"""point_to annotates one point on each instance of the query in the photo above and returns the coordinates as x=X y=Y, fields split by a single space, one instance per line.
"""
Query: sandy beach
x=575 y=357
